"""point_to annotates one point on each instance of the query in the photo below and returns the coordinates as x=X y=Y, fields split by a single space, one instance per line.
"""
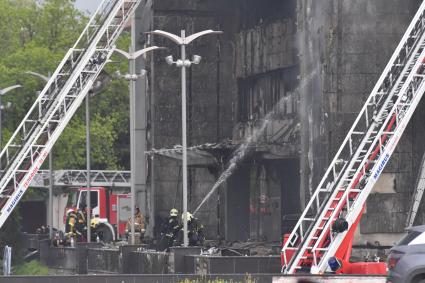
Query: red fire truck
x=109 y=211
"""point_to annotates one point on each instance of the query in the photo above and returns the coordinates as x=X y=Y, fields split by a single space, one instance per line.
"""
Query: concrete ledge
x=102 y=260
x=32 y=241
x=71 y=260
x=152 y=278
x=111 y=261
x=148 y=262
x=60 y=258
x=236 y=264
x=173 y=278
x=179 y=260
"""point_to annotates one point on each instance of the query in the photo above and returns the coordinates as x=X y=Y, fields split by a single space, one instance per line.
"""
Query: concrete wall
x=344 y=46
x=369 y=32
x=266 y=69
x=319 y=59
x=208 y=103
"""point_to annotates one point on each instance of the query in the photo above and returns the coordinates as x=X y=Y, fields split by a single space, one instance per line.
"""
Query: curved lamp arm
x=194 y=36
x=172 y=37
x=44 y=78
x=145 y=50
x=7 y=89
x=135 y=55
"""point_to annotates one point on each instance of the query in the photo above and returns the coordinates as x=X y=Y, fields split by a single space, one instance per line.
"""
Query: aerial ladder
x=417 y=195
x=321 y=241
x=25 y=152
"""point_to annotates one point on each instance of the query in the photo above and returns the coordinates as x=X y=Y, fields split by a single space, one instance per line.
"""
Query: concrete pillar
x=143 y=24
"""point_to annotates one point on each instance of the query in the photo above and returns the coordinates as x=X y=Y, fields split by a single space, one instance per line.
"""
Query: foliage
x=10 y=234
x=35 y=37
x=33 y=267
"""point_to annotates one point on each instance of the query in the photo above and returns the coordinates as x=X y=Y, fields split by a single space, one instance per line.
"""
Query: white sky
x=89 y=5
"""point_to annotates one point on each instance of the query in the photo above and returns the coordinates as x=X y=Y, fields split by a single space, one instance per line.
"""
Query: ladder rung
x=321 y=249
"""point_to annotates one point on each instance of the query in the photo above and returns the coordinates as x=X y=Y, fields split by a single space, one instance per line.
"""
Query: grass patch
x=33 y=267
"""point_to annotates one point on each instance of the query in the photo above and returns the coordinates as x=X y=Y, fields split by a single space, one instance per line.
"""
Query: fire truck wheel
x=105 y=233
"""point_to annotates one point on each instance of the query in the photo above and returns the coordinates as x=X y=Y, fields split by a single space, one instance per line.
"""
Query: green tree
x=38 y=38
x=35 y=37
x=10 y=235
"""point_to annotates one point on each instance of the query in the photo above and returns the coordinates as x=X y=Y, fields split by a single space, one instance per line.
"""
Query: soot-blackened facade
x=298 y=70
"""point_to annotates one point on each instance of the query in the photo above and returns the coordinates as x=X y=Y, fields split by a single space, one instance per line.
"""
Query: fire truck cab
x=107 y=209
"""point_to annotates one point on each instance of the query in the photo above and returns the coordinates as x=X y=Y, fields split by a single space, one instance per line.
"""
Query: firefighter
x=76 y=225
x=195 y=231
x=81 y=225
x=139 y=224
x=70 y=226
x=170 y=230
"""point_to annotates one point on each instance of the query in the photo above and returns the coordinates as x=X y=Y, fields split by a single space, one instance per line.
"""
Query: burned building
x=279 y=89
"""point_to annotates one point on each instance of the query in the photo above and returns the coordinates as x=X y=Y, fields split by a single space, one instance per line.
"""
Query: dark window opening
x=270 y=93
x=93 y=199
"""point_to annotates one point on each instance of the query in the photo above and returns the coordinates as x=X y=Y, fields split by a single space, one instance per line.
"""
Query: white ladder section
x=27 y=149
x=78 y=178
x=417 y=195
x=362 y=156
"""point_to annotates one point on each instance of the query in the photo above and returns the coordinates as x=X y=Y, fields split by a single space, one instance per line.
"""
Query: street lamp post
x=184 y=63
x=132 y=77
x=3 y=92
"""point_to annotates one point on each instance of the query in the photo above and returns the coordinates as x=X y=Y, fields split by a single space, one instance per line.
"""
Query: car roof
x=420 y=228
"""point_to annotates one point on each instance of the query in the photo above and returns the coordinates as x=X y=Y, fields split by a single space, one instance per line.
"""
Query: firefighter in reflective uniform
x=71 y=232
x=139 y=224
x=76 y=225
x=170 y=231
x=81 y=225
x=71 y=220
x=195 y=231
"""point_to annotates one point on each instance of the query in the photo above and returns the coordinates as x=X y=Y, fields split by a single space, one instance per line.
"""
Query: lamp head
x=117 y=74
x=196 y=59
x=169 y=59
x=6 y=105
x=180 y=63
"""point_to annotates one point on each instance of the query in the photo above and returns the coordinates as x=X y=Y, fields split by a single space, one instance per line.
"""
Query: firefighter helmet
x=189 y=216
x=174 y=212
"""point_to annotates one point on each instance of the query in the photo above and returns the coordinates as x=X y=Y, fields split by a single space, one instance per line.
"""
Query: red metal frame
x=344 y=251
